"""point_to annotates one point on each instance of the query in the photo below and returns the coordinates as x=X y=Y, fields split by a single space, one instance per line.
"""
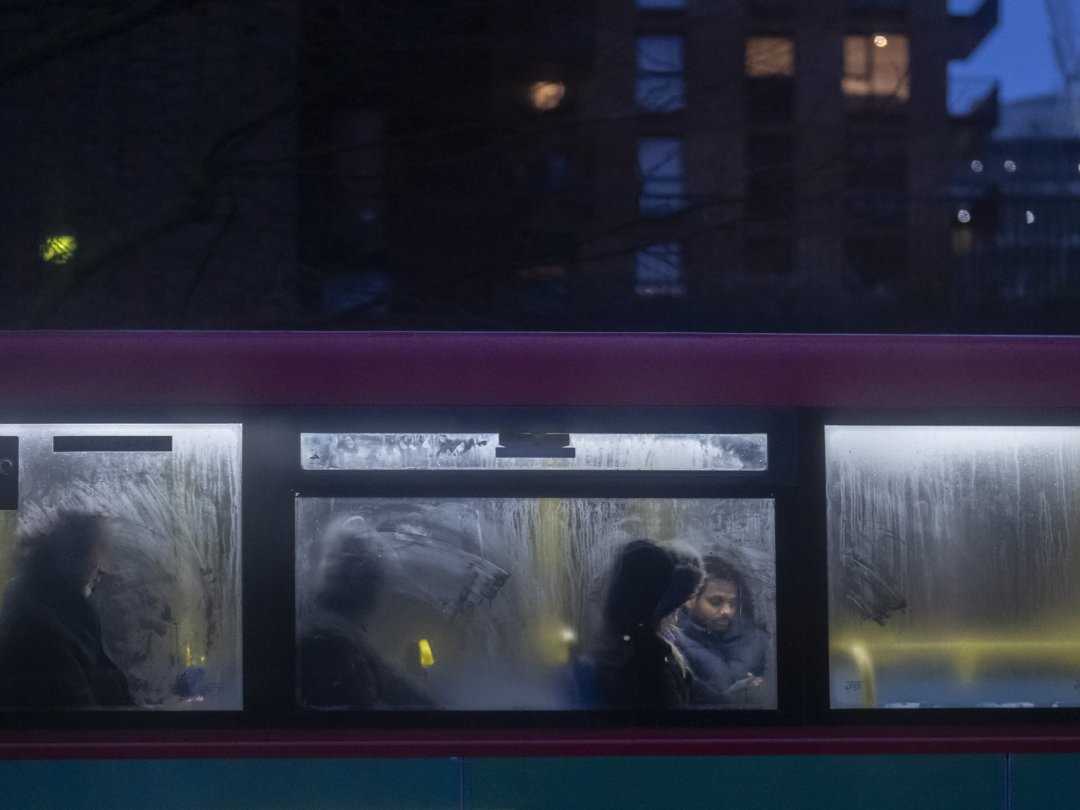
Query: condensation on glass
x=954 y=566
x=495 y=603
x=169 y=596
x=575 y=451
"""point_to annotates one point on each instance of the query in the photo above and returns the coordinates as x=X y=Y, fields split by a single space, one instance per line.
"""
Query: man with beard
x=718 y=636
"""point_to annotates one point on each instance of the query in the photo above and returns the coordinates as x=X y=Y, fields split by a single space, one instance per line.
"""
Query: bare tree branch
x=91 y=29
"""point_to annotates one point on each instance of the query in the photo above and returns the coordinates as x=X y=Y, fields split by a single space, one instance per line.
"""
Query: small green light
x=58 y=249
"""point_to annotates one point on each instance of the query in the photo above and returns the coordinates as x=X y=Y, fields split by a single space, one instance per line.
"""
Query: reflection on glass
x=542 y=451
x=499 y=603
x=953 y=566
x=169 y=591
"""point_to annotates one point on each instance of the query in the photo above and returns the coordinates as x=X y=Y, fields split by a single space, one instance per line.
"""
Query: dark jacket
x=339 y=670
x=644 y=671
x=721 y=659
x=51 y=651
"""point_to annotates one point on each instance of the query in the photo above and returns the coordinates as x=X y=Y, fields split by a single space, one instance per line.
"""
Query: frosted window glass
x=954 y=566
x=495 y=603
x=586 y=451
x=169 y=599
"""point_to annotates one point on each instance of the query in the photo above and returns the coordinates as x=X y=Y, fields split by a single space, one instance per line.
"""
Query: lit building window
x=546 y=95
x=770 y=57
x=662 y=175
x=660 y=270
x=877 y=65
x=660 y=83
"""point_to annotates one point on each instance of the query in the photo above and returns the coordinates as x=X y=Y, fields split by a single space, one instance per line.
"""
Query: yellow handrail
x=965 y=654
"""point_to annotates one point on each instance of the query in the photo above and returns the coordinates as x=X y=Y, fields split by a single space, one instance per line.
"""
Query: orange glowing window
x=770 y=57
x=877 y=65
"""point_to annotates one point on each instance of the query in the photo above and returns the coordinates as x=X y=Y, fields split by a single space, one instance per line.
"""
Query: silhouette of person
x=337 y=667
x=637 y=665
x=52 y=655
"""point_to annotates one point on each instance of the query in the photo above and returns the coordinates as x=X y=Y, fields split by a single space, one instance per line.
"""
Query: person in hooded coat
x=636 y=664
x=52 y=655
x=337 y=667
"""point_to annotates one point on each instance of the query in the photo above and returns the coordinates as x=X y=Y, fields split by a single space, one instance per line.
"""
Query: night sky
x=1019 y=52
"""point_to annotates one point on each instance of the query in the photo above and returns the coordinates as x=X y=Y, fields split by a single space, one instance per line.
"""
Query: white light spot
x=881 y=41
x=977 y=166
x=1029 y=217
x=1010 y=165
x=963 y=216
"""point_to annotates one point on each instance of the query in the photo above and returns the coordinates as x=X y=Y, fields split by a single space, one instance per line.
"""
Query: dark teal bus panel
x=755 y=783
x=750 y=782
x=1044 y=781
x=244 y=784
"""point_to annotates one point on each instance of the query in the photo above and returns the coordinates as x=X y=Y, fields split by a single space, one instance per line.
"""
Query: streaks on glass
x=954 y=565
x=170 y=596
x=487 y=603
x=591 y=451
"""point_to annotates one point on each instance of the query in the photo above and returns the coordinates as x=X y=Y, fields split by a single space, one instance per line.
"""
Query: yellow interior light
x=58 y=249
x=554 y=639
x=427 y=657
x=881 y=41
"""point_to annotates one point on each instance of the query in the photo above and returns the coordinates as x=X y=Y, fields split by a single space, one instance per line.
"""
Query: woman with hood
x=637 y=665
